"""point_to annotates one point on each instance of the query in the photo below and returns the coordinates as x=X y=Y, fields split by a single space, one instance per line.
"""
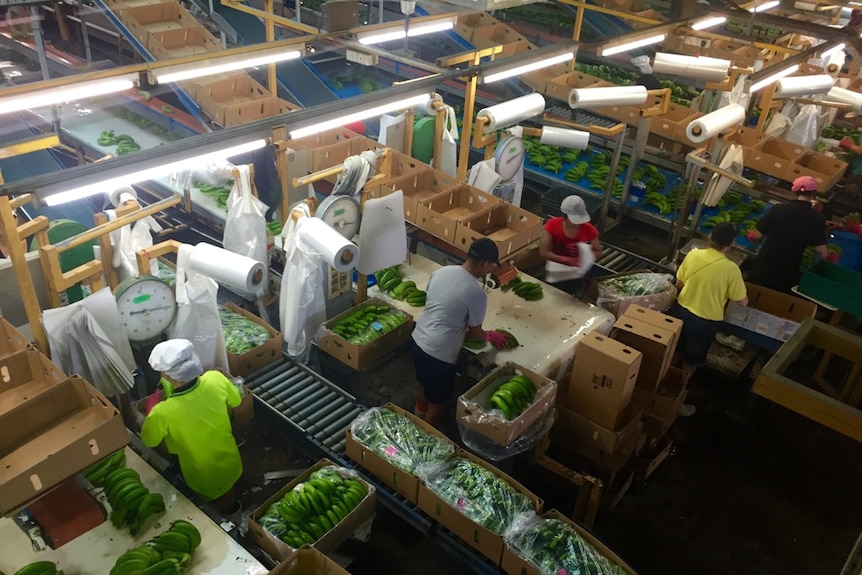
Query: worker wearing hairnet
x=194 y=422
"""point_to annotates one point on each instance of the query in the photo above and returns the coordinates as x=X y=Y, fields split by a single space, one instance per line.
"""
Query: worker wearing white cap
x=786 y=231
x=563 y=238
x=645 y=76
x=194 y=422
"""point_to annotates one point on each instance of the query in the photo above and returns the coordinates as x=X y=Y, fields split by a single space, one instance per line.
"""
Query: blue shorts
x=697 y=335
x=435 y=376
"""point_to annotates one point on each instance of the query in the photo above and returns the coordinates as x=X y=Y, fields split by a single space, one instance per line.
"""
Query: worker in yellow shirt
x=194 y=423
x=707 y=280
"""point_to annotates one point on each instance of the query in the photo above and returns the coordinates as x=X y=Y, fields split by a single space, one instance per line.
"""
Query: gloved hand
x=832 y=257
x=845 y=143
x=496 y=339
x=570 y=261
x=753 y=235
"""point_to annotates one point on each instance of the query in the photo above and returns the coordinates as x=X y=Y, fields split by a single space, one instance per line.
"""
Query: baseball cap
x=804 y=185
x=484 y=249
x=575 y=210
x=724 y=233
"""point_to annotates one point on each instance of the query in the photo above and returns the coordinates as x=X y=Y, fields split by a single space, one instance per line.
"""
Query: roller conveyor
x=617 y=260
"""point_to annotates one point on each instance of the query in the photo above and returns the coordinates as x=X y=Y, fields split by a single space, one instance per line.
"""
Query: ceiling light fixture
x=52 y=96
x=764 y=7
x=523 y=66
x=773 y=78
x=611 y=49
x=397 y=33
x=343 y=118
x=222 y=65
x=708 y=23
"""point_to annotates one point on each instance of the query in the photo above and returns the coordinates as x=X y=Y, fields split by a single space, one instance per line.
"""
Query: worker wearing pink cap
x=786 y=231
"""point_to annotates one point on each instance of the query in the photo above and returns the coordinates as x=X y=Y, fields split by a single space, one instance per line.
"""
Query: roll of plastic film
x=513 y=111
x=610 y=96
x=846 y=96
x=697 y=67
x=705 y=127
x=228 y=268
x=566 y=138
x=803 y=85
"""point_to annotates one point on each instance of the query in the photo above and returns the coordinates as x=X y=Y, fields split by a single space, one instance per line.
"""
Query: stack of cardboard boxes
x=623 y=395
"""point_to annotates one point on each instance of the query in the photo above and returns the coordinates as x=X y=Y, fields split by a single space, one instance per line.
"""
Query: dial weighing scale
x=508 y=163
x=341 y=213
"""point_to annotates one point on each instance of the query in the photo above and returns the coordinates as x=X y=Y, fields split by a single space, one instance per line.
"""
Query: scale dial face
x=340 y=213
x=509 y=157
x=147 y=307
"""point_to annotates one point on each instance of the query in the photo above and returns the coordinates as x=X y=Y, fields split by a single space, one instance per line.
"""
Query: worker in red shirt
x=561 y=239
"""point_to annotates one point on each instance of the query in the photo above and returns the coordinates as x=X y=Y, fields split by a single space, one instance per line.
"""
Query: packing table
x=98 y=549
x=548 y=329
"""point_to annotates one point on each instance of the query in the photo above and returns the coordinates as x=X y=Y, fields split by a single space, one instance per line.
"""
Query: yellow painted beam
x=270 y=17
x=29 y=145
x=612 y=12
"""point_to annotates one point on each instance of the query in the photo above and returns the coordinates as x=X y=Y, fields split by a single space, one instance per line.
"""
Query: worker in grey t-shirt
x=454 y=308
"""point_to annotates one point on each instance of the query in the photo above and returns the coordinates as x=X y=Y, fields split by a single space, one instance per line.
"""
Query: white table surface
x=548 y=329
x=96 y=551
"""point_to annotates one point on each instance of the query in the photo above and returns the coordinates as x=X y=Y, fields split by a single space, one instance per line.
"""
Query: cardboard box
x=483 y=540
x=514 y=564
x=280 y=550
x=308 y=561
x=418 y=188
x=603 y=461
x=226 y=91
x=646 y=462
x=11 y=340
x=657 y=319
x=668 y=399
x=584 y=431
x=185 y=41
x=511 y=228
x=257 y=358
x=475 y=404
x=827 y=170
x=404 y=483
x=561 y=86
x=335 y=154
x=49 y=437
x=252 y=110
x=356 y=356
x=771 y=313
x=24 y=375
x=774 y=156
x=445 y=212
x=653 y=342
x=656 y=427
x=604 y=374
x=244 y=412
x=145 y=20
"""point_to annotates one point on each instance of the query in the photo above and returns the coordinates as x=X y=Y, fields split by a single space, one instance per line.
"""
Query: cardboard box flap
x=308 y=561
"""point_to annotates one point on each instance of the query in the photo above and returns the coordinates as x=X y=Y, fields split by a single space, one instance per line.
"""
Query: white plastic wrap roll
x=566 y=138
x=233 y=270
x=705 y=127
x=697 y=67
x=610 y=96
x=427 y=109
x=122 y=195
x=513 y=111
x=836 y=61
x=846 y=96
x=322 y=239
x=793 y=86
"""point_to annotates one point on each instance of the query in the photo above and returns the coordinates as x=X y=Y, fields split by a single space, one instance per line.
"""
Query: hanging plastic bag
x=128 y=240
x=736 y=95
x=245 y=226
x=448 y=160
x=197 y=318
x=731 y=161
x=804 y=130
x=777 y=125
x=388 y=121
x=556 y=273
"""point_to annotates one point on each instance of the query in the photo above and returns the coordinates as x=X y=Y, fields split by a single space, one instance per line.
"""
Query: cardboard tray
x=560 y=86
x=404 y=483
x=228 y=90
x=332 y=538
x=359 y=357
x=774 y=156
x=11 y=340
x=497 y=430
x=827 y=170
x=511 y=228
x=483 y=540
x=24 y=375
x=419 y=188
x=179 y=42
x=252 y=110
x=244 y=364
x=49 y=437
x=444 y=213
x=513 y=564
x=142 y=21
x=308 y=561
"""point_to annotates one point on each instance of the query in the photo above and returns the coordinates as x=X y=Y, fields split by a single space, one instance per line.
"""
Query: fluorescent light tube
x=200 y=69
x=708 y=23
x=380 y=36
x=773 y=78
x=375 y=111
x=631 y=45
x=529 y=67
x=832 y=50
x=151 y=173
x=71 y=93
x=765 y=6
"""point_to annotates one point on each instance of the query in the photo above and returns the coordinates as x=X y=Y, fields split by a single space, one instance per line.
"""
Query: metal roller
x=309 y=411
x=282 y=382
x=311 y=395
x=321 y=423
x=338 y=428
x=299 y=389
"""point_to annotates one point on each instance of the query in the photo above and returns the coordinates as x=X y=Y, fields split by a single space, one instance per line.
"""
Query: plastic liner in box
x=476 y=492
x=489 y=449
x=367 y=324
x=396 y=439
x=554 y=548
x=240 y=333
x=650 y=290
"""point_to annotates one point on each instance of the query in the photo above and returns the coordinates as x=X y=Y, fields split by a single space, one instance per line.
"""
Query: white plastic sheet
x=128 y=240
x=731 y=161
x=804 y=130
x=448 y=160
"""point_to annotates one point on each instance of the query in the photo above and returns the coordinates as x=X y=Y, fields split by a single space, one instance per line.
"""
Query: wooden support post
x=765 y=106
x=409 y=118
x=280 y=140
x=144 y=256
x=105 y=248
x=269 y=24
x=579 y=22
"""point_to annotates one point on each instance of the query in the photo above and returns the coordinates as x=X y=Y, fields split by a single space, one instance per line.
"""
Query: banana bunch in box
x=38 y=568
x=390 y=281
x=514 y=396
x=169 y=553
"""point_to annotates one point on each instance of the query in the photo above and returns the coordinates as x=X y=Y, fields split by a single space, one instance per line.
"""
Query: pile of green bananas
x=273 y=228
x=219 y=193
x=308 y=511
x=598 y=176
x=577 y=172
x=514 y=396
x=570 y=155
x=737 y=215
x=170 y=552
x=124 y=142
x=530 y=291
x=390 y=280
x=131 y=502
x=38 y=568
x=368 y=323
x=663 y=204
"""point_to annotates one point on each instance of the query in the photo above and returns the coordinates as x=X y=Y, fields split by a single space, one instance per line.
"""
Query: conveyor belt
x=618 y=260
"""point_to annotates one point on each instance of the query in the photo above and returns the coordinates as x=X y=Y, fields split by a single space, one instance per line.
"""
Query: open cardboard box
x=226 y=91
x=268 y=352
x=774 y=156
x=330 y=540
x=403 y=482
x=24 y=375
x=509 y=227
x=514 y=564
x=560 y=86
x=444 y=213
x=667 y=401
x=474 y=406
x=52 y=435
x=418 y=187
x=335 y=154
x=677 y=117
x=771 y=313
x=145 y=20
x=585 y=431
x=308 y=561
x=186 y=41
x=251 y=110
x=484 y=540
x=11 y=340
x=825 y=169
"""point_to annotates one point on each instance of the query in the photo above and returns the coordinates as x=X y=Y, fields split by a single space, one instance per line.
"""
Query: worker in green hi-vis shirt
x=194 y=423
